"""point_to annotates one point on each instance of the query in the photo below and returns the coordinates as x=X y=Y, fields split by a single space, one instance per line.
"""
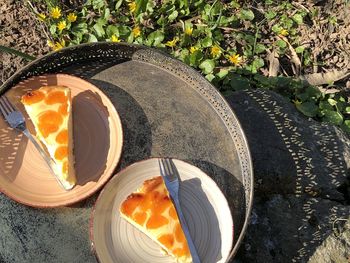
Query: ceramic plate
x=204 y=206
x=98 y=138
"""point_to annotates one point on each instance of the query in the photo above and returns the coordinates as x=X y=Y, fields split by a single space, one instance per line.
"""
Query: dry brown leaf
x=293 y=56
x=325 y=78
x=274 y=66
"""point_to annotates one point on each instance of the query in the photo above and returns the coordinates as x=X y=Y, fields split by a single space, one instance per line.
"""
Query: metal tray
x=167 y=109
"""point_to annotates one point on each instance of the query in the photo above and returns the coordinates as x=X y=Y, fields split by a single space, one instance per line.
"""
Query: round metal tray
x=167 y=109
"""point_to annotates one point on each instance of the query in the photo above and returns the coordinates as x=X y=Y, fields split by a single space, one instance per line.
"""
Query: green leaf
x=92 y=38
x=173 y=16
x=324 y=105
x=99 y=30
x=347 y=109
x=222 y=73
x=332 y=117
x=313 y=92
x=210 y=77
x=281 y=43
x=155 y=38
x=299 y=49
x=346 y=126
x=298 y=19
x=332 y=102
x=195 y=58
x=106 y=14
x=140 y=6
x=276 y=28
x=270 y=15
x=80 y=28
x=16 y=52
x=207 y=66
x=258 y=63
x=53 y=29
x=207 y=42
x=239 y=83
x=247 y=14
x=118 y=4
x=288 y=23
x=112 y=30
x=308 y=108
x=97 y=4
x=259 y=48
x=124 y=31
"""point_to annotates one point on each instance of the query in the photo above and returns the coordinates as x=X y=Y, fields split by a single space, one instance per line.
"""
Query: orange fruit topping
x=179 y=234
x=131 y=203
x=61 y=152
x=55 y=97
x=49 y=122
x=172 y=212
x=63 y=109
x=156 y=221
x=32 y=97
x=140 y=217
x=167 y=240
x=62 y=137
x=179 y=252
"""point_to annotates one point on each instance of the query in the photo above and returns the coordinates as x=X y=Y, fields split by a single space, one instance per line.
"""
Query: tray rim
x=7 y=85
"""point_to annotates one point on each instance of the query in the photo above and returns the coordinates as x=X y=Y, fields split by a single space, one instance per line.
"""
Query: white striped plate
x=205 y=208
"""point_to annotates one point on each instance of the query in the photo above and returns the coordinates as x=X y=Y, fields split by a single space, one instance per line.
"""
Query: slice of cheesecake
x=50 y=110
x=151 y=210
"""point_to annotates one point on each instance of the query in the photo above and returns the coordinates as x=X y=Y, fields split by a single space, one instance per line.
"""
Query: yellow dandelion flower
x=284 y=32
x=61 y=25
x=172 y=43
x=132 y=7
x=59 y=45
x=41 y=16
x=188 y=31
x=55 y=12
x=114 y=38
x=72 y=17
x=215 y=50
x=193 y=49
x=235 y=59
x=136 y=31
x=50 y=44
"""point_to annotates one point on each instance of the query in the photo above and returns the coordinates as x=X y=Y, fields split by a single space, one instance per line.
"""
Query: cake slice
x=50 y=110
x=151 y=210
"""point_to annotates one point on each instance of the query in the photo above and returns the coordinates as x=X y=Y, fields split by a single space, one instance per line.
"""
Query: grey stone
x=301 y=209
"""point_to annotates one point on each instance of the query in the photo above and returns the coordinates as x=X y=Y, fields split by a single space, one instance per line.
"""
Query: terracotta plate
x=205 y=209
x=98 y=138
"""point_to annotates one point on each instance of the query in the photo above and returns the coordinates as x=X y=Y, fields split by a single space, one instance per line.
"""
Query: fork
x=16 y=121
x=171 y=178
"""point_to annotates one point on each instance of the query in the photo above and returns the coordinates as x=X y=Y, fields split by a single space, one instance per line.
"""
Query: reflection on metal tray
x=167 y=109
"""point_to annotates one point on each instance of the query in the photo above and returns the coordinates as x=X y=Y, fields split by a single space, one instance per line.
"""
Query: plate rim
x=130 y=166
x=113 y=166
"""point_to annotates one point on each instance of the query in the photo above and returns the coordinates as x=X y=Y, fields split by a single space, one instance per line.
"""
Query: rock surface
x=301 y=209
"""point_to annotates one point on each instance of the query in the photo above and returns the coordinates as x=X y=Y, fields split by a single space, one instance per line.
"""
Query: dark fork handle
x=195 y=257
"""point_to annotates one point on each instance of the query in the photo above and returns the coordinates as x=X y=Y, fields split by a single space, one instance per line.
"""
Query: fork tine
x=4 y=110
x=173 y=168
x=8 y=103
x=165 y=166
x=161 y=166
